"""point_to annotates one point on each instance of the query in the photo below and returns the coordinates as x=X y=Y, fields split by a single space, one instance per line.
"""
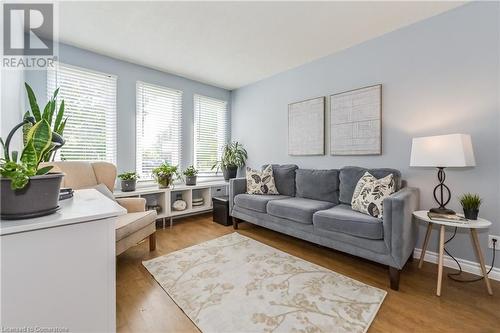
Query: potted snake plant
x=233 y=157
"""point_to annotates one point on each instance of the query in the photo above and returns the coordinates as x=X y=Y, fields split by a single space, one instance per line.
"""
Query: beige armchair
x=131 y=228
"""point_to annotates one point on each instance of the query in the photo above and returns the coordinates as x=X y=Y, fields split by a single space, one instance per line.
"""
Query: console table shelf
x=165 y=197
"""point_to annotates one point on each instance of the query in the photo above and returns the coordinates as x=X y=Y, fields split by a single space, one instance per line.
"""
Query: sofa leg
x=394 y=274
x=152 y=241
x=235 y=223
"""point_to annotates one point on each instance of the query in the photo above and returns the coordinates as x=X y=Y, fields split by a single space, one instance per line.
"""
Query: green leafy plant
x=165 y=173
x=39 y=143
x=470 y=201
x=233 y=156
x=129 y=176
x=54 y=118
x=190 y=171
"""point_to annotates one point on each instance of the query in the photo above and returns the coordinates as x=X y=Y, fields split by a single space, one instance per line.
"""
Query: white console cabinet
x=58 y=271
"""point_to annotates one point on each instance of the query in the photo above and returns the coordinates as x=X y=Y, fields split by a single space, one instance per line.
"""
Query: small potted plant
x=165 y=174
x=470 y=204
x=233 y=157
x=128 y=181
x=190 y=174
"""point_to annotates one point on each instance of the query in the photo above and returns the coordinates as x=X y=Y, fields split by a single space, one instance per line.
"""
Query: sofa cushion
x=129 y=223
x=318 y=184
x=284 y=178
x=342 y=218
x=255 y=202
x=296 y=209
x=261 y=182
x=349 y=177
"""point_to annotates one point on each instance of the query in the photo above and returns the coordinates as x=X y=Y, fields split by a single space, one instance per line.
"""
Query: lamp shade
x=452 y=150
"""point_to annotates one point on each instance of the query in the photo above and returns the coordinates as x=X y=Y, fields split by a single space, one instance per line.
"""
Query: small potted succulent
x=165 y=174
x=470 y=204
x=233 y=157
x=190 y=174
x=128 y=181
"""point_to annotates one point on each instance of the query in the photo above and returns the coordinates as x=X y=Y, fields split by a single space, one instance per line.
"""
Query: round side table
x=471 y=225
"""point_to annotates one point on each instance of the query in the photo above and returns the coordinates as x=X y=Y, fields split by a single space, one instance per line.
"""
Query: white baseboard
x=467 y=265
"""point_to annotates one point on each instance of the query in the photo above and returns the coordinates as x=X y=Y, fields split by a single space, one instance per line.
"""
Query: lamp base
x=442 y=211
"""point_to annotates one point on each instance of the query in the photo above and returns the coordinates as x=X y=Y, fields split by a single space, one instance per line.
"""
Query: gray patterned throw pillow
x=370 y=193
x=261 y=182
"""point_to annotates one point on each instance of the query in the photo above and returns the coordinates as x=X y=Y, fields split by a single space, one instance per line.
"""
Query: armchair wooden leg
x=394 y=274
x=152 y=241
x=235 y=223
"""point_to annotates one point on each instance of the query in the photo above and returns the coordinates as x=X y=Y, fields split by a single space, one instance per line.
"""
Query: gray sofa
x=314 y=205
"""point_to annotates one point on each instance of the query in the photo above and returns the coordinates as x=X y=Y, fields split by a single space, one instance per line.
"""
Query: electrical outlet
x=490 y=242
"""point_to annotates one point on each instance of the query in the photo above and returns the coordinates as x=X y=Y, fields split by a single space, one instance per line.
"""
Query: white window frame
x=178 y=94
x=53 y=82
x=221 y=138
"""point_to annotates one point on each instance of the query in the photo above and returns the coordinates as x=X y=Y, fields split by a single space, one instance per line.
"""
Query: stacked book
x=447 y=217
x=198 y=202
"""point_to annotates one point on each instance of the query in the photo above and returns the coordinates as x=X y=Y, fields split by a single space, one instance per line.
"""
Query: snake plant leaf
x=59 y=116
x=55 y=94
x=60 y=130
x=51 y=112
x=26 y=127
x=6 y=156
x=35 y=110
x=44 y=170
x=29 y=156
x=41 y=136
x=46 y=111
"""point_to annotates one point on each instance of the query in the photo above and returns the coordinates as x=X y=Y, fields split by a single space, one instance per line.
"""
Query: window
x=210 y=131
x=90 y=107
x=158 y=119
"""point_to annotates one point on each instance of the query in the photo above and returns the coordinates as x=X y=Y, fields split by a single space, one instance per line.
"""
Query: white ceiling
x=231 y=44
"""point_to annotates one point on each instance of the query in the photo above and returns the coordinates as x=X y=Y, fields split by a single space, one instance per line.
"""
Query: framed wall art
x=356 y=122
x=306 y=127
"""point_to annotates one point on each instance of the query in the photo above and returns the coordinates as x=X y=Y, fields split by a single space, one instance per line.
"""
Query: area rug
x=235 y=284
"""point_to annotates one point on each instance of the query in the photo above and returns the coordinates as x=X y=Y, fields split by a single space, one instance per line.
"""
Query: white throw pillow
x=261 y=182
x=370 y=192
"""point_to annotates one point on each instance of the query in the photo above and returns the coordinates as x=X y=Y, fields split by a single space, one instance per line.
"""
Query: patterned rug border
x=372 y=318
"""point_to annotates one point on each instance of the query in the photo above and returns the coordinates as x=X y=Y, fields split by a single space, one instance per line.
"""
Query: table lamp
x=442 y=151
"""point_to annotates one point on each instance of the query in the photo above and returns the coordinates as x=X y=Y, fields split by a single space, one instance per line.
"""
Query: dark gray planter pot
x=471 y=214
x=128 y=185
x=229 y=173
x=38 y=198
x=190 y=180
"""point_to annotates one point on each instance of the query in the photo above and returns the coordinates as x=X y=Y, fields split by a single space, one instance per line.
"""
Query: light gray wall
x=12 y=105
x=439 y=76
x=127 y=76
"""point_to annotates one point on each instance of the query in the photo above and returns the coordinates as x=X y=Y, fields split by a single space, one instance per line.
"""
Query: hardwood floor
x=143 y=306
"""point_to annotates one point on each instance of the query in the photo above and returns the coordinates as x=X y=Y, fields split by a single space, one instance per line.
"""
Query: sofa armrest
x=400 y=232
x=132 y=205
x=236 y=186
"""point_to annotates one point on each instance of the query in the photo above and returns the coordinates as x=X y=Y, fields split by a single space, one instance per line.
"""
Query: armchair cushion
x=130 y=223
x=132 y=205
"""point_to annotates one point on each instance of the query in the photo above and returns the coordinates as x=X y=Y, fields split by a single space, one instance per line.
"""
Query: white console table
x=58 y=271
x=165 y=197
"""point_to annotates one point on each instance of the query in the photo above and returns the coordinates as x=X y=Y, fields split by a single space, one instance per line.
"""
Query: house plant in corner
x=233 y=157
x=470 y=204
x=165 y=174
x=27 y=190
x=128 y=181
x=190 y=173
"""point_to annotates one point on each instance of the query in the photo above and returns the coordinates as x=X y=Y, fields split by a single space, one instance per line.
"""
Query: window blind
x=210 y=131
x=158 y=126
x=90 y=106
